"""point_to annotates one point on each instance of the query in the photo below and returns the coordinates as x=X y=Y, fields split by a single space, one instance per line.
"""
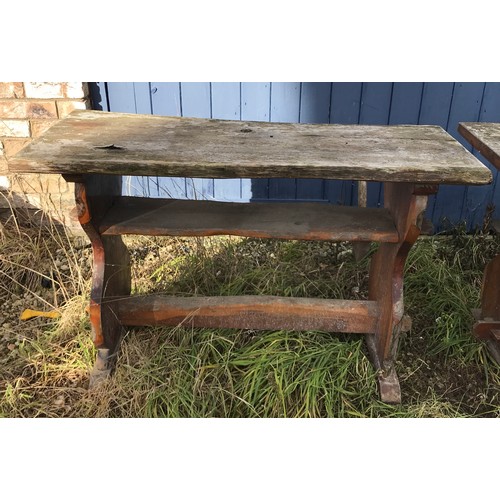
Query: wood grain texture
x=487 y=330
x=128 y=144
x=301 y=221
x=249 y=312
x=111 y=264
x=387 y=267
x=485 y=137
x=490 y=292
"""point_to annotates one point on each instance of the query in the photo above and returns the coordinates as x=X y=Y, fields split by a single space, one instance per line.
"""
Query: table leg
x=361 y=248
x=406 y=204
x=110 y=278
x=487 y=327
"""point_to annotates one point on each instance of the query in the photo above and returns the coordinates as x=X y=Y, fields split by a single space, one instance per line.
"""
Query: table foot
x=488 y=331
x=493 y=347
x=388 y=384
x=103 y=367
x=387 y=378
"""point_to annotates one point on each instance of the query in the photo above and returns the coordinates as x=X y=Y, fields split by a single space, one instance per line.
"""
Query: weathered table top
x=127 y=144
x=485 y=137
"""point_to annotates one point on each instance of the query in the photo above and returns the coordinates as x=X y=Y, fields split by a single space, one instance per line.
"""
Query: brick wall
x=27 y=109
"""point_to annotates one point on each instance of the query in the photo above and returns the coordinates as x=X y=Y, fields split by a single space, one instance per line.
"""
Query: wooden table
x=485 y=137
x=94 y=149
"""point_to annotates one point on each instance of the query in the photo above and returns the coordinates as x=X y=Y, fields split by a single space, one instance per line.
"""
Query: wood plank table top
x=485 y=137
x=89 y=142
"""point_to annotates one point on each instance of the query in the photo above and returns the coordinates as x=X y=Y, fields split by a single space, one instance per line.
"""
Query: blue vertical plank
x=345 y=103
x=473 y=202
x=142 y=94
x=375 y=103
x=436 y=103
x=405 y=103
x=375 y=109
x=310 y=190
x=255 y=101
x=196 y=102
x=226 y=105
x=465 y=106
x=196 y=99
x=490 y=108
x=285 y=102
x=142 y=185
x=344 y=109
x=135 y=185
x=285 y=108
x=122 y=99
x=315 y=101
x=435 y=110
x=166 y=98
x=481 y=198
x=256 y=106
x=166 y=101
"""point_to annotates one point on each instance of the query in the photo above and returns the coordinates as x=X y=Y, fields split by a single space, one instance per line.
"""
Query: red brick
x=75 y=90
x=38 y=127
x=42 y=110
x=14 y=128
x=3 y=166
x=44 y=90
x=11 y=90
x=39 y=184
x=13 y=108
x=13 y=145
x=64 y=108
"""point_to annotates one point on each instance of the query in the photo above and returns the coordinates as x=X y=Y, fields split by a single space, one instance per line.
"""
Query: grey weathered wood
x=485 y=137
x=127 y=144
x=301 y=221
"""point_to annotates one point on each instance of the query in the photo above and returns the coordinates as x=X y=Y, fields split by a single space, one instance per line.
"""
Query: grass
x=183 y=372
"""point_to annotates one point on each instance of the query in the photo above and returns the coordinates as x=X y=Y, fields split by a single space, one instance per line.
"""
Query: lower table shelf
x=300 y=221
x=248 y=312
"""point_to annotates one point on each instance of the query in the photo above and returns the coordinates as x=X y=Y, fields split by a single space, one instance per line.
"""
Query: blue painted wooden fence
x=443 y=104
